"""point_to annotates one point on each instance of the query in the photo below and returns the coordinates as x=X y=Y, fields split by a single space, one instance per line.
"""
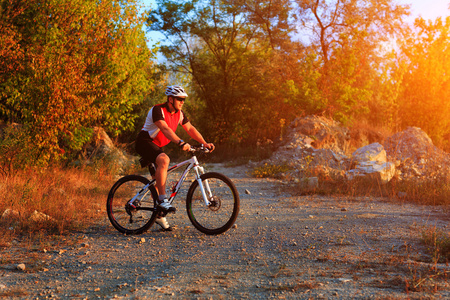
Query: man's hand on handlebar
x=186 y=147
x=209 y=146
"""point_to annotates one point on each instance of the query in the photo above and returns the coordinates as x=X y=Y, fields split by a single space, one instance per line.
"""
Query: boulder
x=416 y=156
x=101 y=147
x=318 y=132
x=372 y=152
x=100 y=144
x=371 y=163
x=374 y=170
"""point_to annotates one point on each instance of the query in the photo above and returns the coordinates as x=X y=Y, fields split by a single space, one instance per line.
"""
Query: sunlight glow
x=427 y=9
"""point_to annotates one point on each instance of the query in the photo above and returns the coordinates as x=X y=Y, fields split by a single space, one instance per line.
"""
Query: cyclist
x=158 y=131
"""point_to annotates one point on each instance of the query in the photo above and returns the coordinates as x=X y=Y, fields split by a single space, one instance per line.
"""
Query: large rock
x=371 y=163
x=416 y=156
x=100 y=144
x=318 y=132
x=312 y=141
x=372 y=152
x=378 y=171
x=101 y=147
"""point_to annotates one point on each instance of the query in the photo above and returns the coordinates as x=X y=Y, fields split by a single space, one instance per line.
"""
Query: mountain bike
x=212 y=201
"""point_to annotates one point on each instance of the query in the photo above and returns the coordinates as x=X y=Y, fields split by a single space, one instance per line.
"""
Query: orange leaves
x=73 y=66
x=424 y=98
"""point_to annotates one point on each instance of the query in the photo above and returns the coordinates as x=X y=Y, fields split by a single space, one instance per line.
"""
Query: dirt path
x=282 y=247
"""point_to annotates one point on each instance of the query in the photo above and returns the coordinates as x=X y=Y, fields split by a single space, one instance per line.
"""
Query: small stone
x=142 y=240
x=247 y=192
x=21 y=267
x=343 y=209
x=10 y=213
x=37 y=216
x=234 y=226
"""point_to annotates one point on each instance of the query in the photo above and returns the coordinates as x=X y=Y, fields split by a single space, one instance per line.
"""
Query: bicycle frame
x=192 y=164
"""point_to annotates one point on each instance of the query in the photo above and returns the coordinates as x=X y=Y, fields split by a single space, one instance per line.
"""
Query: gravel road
x=283 y=246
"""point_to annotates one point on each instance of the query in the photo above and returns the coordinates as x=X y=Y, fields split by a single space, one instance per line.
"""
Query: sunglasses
x=179 y=99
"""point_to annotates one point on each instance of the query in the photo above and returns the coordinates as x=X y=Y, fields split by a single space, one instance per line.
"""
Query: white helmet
x=176 y=91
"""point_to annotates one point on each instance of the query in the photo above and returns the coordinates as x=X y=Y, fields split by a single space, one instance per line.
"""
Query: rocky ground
x=283 y=246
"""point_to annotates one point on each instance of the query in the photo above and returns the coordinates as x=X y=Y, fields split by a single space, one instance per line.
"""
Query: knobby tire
x=221 y=215
x=121 y=192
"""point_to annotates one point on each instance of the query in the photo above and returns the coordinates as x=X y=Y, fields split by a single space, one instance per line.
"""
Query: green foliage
x=70 y=65
x=232 y=50
x=346 y=55
x=12 y=139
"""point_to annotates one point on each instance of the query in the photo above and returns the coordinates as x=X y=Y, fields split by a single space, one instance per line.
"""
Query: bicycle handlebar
x=200 y=148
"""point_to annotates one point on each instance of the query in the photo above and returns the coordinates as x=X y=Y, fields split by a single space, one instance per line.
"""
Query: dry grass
x=362 y=133
x=438 y=243
x=71 y=198
x=434 y=191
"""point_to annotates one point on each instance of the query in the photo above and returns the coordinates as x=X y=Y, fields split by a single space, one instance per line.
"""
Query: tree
x=230 y=48
x=71 y=65
x=347 y=37
x=424 y=71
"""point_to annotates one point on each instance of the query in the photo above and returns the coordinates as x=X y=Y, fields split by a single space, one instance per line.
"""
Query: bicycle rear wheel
x=221 y=214
x=125 y=218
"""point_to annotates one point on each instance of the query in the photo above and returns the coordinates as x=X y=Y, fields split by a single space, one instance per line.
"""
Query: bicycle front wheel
x=126 y=219
x=221 y=213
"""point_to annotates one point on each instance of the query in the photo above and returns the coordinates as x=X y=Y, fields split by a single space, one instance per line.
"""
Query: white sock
x=162 y=197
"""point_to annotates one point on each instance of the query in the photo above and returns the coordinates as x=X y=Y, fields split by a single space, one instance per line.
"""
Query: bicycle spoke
x=222 y=211
x=124 y=217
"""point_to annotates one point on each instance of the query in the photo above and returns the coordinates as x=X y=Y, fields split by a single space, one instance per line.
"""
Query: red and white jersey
x=161 y=112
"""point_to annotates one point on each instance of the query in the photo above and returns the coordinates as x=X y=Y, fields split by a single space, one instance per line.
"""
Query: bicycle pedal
x=163 y=213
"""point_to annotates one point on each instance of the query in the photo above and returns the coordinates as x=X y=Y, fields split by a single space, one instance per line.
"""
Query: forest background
x=69 y=66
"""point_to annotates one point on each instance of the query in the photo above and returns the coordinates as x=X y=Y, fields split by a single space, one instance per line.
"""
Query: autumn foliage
x=253 y=63
x=67 y=65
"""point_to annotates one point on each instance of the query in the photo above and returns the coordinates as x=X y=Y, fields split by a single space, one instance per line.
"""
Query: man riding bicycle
x=158 y=131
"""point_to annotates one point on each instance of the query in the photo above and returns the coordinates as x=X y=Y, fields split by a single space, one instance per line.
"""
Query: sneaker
x=166 y=207
x=162 y=221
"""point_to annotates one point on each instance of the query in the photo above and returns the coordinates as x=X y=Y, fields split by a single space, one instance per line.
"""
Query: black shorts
x=146 y=148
